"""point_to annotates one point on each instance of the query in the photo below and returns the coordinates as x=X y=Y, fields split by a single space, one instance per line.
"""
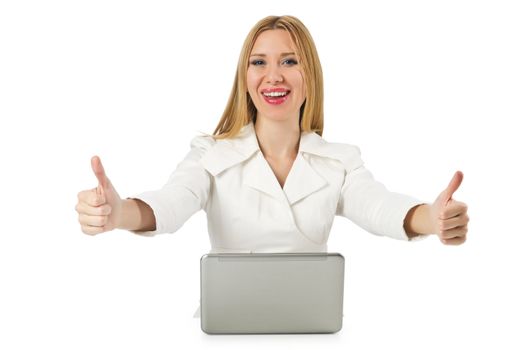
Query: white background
x=423 y=87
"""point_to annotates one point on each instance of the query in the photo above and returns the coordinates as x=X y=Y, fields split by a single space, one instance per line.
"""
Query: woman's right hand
x=99 y=208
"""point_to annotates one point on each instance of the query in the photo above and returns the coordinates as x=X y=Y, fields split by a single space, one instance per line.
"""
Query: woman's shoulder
x=348 y=154
x=216 y=155
x=203 y=142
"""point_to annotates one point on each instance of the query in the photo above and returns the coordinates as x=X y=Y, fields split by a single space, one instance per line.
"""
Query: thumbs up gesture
x=449 y=216
x=99 y=208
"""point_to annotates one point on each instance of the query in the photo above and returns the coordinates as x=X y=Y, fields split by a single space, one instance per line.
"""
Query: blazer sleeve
x=185 y=193
x=369 y=204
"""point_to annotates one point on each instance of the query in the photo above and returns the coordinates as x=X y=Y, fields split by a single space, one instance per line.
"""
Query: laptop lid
x=272 y=293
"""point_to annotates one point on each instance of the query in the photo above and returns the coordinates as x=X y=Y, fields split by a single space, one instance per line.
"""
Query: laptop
x=252 y=293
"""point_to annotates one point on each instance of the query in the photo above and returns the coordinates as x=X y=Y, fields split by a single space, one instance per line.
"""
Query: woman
x=267 y=180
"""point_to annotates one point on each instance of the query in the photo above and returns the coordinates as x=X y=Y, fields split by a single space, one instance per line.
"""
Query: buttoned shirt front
x=247 y=209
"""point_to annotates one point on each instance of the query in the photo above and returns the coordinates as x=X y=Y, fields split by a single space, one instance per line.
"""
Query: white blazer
x=248 y=211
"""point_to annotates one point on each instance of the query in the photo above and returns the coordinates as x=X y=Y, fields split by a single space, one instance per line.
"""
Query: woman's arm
x=417 y=222
x=136 y=215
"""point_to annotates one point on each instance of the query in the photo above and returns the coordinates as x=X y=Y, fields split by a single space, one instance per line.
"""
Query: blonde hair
x=240 y=109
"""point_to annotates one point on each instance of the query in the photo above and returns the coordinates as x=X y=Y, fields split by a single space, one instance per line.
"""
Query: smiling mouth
x=275 y=94
x=276 y=97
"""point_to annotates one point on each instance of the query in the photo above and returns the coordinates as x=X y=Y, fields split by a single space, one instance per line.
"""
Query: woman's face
x=274 y=77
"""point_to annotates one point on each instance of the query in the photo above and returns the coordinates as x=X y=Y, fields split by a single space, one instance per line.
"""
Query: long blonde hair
x=240 y=109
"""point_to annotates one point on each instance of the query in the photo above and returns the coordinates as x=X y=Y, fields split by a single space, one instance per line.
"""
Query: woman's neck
x=278 y=139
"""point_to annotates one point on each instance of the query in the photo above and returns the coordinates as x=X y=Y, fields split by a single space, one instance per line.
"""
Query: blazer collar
x=302 y=179
x=229 y=152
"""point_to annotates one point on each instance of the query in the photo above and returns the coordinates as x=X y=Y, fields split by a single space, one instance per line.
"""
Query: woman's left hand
x=449 y=217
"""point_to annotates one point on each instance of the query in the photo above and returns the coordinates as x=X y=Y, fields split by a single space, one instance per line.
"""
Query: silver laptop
x=272 y=293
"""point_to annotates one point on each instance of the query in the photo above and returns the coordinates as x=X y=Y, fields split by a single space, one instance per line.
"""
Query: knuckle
x=105 y=210
x=88 y=199
x=93 y=201
x=443 y=228
x=101 y=220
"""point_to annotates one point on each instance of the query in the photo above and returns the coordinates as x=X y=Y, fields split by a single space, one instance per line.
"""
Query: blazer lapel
x=230 y=152
x=302 y=180
x=258 y=174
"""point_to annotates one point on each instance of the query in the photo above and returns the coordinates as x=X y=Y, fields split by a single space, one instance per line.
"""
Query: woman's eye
x=288 y=62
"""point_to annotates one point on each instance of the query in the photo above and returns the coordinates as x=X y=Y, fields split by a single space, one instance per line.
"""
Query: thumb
x=99 y=172
x=454 y=184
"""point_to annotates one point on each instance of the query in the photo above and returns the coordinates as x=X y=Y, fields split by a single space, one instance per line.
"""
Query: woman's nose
x=274 y=75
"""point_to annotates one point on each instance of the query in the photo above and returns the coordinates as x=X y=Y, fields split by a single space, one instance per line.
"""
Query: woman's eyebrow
x=264 y=55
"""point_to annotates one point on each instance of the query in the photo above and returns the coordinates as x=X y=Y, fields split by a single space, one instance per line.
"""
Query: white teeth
x=275 y=94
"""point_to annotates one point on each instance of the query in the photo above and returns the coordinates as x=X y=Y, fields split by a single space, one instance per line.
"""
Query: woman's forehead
x=273 y=42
